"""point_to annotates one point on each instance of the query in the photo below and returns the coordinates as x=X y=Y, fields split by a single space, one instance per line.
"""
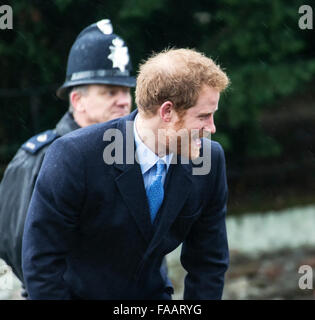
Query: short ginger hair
x=176 y=75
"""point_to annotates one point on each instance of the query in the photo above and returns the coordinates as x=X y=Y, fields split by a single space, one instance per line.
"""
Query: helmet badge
x=119 y=54
x=105 y=26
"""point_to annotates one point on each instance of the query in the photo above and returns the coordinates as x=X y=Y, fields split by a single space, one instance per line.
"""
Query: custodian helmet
x=98 y=56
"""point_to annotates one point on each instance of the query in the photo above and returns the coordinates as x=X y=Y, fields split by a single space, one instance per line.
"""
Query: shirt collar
x=146 y=157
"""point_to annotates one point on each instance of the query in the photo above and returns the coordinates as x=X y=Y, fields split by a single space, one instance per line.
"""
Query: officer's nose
x=123 y=98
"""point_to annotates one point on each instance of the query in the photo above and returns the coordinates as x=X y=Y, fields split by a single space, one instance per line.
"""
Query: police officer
x=97 y=84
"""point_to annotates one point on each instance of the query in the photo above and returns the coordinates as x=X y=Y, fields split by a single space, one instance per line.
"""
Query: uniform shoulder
x=37 y=142
x=90 y=133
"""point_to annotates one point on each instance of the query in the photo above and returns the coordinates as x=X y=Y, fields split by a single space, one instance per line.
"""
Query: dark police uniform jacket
x=16 y=190
x=88 y=233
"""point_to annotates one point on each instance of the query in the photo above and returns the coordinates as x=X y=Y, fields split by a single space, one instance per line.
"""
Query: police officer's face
x=102 y=103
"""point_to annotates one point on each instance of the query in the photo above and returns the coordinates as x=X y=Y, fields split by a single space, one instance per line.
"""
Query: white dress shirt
x=147 y=159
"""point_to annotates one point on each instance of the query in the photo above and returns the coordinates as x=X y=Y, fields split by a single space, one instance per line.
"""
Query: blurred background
x=266 y=120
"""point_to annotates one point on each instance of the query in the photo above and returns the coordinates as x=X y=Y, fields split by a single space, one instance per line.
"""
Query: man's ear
x=76 y=101
x=167 y=111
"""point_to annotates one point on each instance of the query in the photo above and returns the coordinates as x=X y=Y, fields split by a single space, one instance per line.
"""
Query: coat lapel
x=130 y=181
x=131 y=186
x=177 y=188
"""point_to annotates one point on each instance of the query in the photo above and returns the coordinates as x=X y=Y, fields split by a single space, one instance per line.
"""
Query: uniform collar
x=66 y=124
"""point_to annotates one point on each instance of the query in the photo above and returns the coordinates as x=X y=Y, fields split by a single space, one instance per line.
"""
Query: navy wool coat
x=88 y=233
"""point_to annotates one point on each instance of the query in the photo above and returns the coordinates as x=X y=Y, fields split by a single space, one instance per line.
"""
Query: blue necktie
x=155 y=192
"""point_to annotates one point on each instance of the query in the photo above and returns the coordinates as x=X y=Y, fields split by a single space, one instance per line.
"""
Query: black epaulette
x=39 y=141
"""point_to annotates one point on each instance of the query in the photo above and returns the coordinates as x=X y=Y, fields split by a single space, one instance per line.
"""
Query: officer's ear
x=76 y=100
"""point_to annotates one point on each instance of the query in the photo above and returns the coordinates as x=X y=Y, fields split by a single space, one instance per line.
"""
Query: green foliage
x=63 y=4
x=140 y=8
x=257 y=42
x=266 y=57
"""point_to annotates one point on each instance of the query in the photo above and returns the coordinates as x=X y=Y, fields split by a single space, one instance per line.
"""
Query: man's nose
x=210 y=126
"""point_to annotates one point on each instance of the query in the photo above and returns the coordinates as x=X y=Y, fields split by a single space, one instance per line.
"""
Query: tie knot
x=160 y=167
